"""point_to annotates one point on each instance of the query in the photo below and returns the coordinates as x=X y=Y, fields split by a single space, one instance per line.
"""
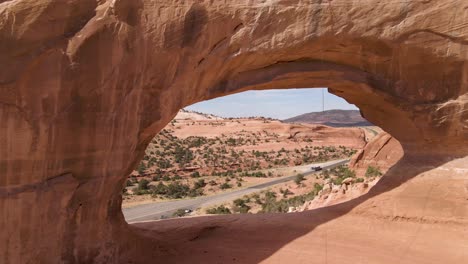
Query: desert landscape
x=87 y=85
x=201 y=154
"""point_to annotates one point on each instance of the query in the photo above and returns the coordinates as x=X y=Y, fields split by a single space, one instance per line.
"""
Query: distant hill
x=333 y=118
x=196 y=116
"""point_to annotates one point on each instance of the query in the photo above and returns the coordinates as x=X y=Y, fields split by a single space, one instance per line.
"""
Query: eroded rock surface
x=382 y=152
x=85 y=84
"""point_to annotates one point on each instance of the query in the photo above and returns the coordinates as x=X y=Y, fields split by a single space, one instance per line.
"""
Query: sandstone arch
x=84 y=85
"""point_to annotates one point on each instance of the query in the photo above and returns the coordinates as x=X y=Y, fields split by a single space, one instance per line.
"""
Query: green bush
x=199 y=184
x=177 y=190
x=218 y=210
x=317 y=187
x=160 y=189
x=143 y=184
x=195 y=192
x=240 y=206
x=141 y=168
x=156 y=178
x=285 y=193
x=141 y=192
x=212 y=183
x=341 y=173
x=299 y=178
x=179 y=213
x=225 y=186
x=373 y=172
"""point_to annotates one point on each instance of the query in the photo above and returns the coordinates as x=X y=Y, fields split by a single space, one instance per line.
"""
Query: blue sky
x=279 y=104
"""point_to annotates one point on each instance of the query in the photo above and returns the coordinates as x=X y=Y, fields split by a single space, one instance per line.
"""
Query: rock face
x=381 y=152
x=85 y=84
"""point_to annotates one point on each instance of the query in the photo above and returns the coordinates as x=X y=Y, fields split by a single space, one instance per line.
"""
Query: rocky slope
x=382 y=152
x=85 y=85
x=334 y=118
x=374 y=160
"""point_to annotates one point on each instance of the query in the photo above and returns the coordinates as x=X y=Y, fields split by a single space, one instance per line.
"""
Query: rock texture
x=85 y=84
x=381 y=152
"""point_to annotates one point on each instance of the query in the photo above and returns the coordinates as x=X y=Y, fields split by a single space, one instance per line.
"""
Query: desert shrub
x=218 y=210
x=240 y=206
x=183 y=155
x=269 y=195
x=271 y=205
x=143 y=184
x=359 y=180
x=195 y=175
x=299 y=178
x=195 y=192
x=317 y=187
x=141 y=192
x=225 y=186
x=160 y=189
x=156 y=178
x=179 y=213
x=141 y=168
x=177 y=190
x=285 y=193
x=199 y=184
x=166 y=178
x=373 y=172
x=341 y=173
x=260 y=174
x=212 y=183
x=129 y=183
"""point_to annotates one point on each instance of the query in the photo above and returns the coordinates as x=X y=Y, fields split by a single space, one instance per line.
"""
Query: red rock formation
x=381 y=152
x=85 y=84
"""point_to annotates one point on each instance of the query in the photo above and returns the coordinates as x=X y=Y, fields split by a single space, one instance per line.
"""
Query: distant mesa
x=333 y=118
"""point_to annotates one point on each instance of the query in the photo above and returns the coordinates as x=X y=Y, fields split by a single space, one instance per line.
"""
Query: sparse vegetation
x=225 y=186
x=177 y=168
x=299 y=178
x=218 y=210
x=341 y=173
x=373 y=172
x=143 y=184
x=179 y=213
x=240 y=206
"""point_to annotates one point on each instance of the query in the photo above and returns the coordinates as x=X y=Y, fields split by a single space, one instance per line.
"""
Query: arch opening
x=245 y=162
